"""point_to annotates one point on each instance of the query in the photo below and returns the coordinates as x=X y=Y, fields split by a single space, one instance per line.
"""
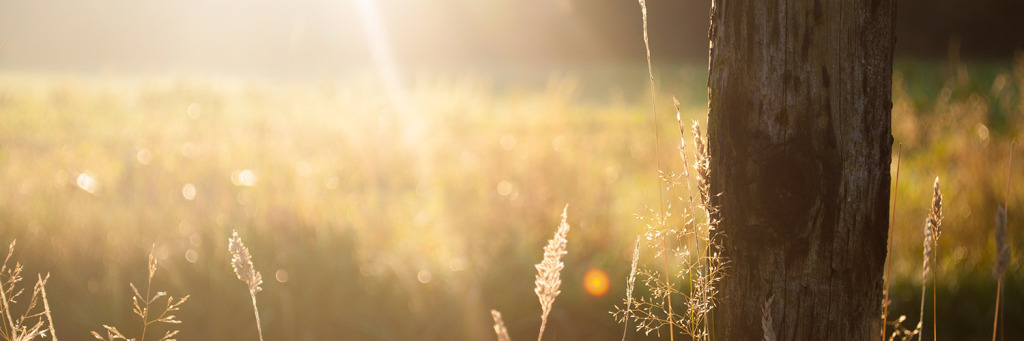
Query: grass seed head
x=499 y=326
x=549 y=270
x=241 y=261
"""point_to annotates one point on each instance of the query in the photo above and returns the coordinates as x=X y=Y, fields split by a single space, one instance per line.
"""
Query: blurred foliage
x=372 y=222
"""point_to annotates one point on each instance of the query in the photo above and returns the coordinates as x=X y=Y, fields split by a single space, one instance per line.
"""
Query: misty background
x=326 y=38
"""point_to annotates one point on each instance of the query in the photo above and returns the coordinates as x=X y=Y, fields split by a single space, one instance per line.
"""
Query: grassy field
x=375 y=222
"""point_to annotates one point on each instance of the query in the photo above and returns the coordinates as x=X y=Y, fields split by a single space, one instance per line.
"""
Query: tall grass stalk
x=46 y=305
x=702 y=167
x=657 y=155
x=932 y=230
x=499 y=326
x=695 y=247
x=892 y=222
x=630 y=282
x=686 y=173
x=549 y=271
x=241 y=261
x=1002 y=247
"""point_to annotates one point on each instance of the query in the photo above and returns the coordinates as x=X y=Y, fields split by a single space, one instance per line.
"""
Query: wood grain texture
x=800 y=140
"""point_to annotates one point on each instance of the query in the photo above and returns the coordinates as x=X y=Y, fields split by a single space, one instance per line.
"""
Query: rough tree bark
x=800 y=140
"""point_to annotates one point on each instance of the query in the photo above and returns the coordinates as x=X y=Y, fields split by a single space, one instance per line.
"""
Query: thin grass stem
x=1000 y=249
x=657 y=157
x=259 y=329
x=46 y=306
x=892 y=222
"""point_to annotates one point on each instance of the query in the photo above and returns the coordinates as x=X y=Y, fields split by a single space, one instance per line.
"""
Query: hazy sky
x=297 y=35
x=328 y=36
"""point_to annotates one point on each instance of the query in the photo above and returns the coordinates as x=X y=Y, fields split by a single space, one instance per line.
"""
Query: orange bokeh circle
x=595 y=282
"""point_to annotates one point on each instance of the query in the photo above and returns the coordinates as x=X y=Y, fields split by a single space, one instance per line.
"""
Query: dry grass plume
x=549 y=271
x=688 y=243
x=499 y=326
x=932 y=230
x=241 y=261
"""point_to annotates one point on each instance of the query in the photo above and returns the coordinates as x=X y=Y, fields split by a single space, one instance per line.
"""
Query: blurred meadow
x=376 y=215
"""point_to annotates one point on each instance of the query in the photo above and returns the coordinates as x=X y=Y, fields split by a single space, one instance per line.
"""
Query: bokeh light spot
x=188 y=191
x=982 y=131
x=595 y=282
x=504 y=188
x=87 y=182
x=424 y=276
x=281 y=275
x=194 y=111
x=144 y=156
x=245 y=177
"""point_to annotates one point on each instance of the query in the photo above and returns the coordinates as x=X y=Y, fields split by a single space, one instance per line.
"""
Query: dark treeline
x=925 y=29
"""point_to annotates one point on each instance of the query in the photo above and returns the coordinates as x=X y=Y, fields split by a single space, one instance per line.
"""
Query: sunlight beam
x=381 y=50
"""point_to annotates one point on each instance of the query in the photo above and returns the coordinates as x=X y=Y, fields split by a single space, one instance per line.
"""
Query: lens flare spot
x=245 y=177
x=144 y=156
x=191 y=256
x=595 y=282
x=87 y=182
x=505 y=188
x=188 y=191
x=194 y=111
x=424 y=276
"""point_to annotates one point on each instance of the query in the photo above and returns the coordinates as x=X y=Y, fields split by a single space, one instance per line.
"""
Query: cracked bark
x=800 y=140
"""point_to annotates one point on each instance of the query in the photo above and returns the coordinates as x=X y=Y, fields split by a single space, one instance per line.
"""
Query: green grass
x=413 y=224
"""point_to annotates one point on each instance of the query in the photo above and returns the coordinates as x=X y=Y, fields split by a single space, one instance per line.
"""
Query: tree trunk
x=800 y=141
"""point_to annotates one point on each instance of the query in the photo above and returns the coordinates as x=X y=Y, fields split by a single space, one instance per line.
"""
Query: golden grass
x=41 y=284
x=36 y=321
x=691 y=245
x=144 y=310
x=499 y=326
x=630 y=284
x=900 y=332
x=549 y=271
x=932 y=230
x=241 y=261
x=657 y=158
x=548 y=280
x=888 y=253
x=468 y=213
